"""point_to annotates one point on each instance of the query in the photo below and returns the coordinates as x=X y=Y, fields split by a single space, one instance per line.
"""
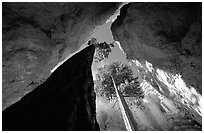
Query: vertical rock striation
x=65 y=101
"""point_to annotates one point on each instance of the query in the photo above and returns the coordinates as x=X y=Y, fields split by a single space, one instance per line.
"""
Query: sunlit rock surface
x=178 y=106
x=168 y=35
x=65 y=101
x=157 y=113
x=36 y=36
x=163 y=41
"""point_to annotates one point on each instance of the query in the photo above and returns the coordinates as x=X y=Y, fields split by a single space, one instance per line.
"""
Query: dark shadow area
x=65 y=101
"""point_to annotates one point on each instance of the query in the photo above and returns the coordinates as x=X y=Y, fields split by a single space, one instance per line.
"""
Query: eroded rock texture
x=168 y=35
x=36 y=36
x=65 y=101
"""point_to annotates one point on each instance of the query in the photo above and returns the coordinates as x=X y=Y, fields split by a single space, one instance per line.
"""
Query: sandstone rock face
x=36 y=36
x=168 y=35
x=65 y=101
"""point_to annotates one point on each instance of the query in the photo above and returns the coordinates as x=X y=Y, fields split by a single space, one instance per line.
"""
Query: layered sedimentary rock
x=36 y=36
x=65 y=101
x=168 y=35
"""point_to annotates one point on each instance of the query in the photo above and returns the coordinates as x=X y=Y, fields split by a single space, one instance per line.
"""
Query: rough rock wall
x=36 y=36
x=168 y=35
x=65 y=101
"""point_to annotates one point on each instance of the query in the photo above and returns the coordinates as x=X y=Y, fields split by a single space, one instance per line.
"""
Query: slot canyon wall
x=164 y=41
x=168 y=35
x=36 y=36
x=65 y=101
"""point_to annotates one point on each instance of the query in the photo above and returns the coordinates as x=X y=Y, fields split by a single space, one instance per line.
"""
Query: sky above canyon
x=103 y=34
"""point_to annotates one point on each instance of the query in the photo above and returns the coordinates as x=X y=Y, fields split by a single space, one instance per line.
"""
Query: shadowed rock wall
x=38 y=35
x=168 y=35
x=65 y=101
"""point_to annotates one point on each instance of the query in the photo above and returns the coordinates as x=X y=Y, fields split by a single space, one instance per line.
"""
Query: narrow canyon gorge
x=162 y=40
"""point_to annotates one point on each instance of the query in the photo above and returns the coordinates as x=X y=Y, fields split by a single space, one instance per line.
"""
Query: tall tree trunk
x=127 y=115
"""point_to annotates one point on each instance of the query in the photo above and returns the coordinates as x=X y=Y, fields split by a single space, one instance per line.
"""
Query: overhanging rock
x=38 y=35
x=168 y=35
